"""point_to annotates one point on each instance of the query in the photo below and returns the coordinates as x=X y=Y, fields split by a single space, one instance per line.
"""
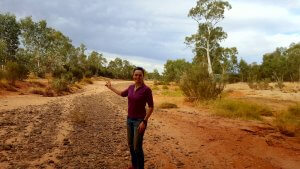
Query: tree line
x=33 y=47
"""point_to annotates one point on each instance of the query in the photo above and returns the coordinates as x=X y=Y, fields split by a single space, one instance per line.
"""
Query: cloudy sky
x=147 y=33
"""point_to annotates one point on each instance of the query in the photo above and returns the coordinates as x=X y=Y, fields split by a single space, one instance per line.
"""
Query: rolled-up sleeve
x=125 y=93
x=149 y=98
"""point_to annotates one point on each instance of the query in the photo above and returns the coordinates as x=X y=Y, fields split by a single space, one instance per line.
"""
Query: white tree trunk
x=209 y=67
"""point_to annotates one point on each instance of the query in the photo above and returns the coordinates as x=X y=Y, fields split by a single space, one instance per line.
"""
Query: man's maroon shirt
x=137 y=101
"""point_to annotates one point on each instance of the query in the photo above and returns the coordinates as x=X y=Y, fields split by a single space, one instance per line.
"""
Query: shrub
x=48 y=92
x=166 y=105
x=77 y=73
x=15 y=72
x=88 y=74
x=60 y=85
x=288 y=122
x=197 y=84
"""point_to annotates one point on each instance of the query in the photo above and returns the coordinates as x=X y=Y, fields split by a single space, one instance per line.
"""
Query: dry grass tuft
x=39 y=91
x=87 y=81
x=288 y=122
x=167 y=105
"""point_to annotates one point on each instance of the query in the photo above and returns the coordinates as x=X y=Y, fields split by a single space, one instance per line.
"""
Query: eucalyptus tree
x=208 y=14
x=9 y=37
x=173 y=69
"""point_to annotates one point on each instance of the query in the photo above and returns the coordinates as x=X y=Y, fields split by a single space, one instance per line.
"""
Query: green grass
x=239 y=109
x=288 y=122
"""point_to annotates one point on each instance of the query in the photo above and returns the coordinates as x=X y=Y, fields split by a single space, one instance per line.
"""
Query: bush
x=15 y=72
x=288 y=122
x=60 y=85
x=166 y=105
x=239 y=109
x=196 y=84
x=77 y=73
x=88 y=74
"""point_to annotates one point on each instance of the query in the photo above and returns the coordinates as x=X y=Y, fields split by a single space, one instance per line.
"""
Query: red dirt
x=46 y=135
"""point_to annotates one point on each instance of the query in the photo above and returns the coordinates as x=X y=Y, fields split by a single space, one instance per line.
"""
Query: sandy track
x=48 y=136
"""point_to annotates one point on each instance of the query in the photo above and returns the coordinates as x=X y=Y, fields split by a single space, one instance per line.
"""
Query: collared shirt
x=137 y=100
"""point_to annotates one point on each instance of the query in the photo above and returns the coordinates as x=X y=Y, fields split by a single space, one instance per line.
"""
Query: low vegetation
x=167 y=105
x=288 y=122
x=241 y=109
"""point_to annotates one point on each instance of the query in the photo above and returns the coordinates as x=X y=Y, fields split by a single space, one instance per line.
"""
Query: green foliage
x=9 y=33
x=173 y=69
x=15 y=72
x=197 y=84
x=60 y=85
x=154 y=75
x=240 y=109
x=208 y=13
x=120 y=69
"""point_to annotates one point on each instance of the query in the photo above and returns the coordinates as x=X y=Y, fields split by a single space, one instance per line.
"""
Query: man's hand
x=108 y=84
x=141 y=128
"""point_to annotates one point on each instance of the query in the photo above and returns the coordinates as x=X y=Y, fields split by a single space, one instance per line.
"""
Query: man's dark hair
x=139 y=68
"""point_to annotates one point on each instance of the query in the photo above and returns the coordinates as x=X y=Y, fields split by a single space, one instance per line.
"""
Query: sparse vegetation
x=288 y=122
x=167 y=105
x=240 y=109
x=39 y=91
x=87 y=80
x=165 y=87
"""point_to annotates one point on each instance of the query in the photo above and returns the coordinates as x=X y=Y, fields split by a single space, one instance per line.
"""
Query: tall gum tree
x=207 y=13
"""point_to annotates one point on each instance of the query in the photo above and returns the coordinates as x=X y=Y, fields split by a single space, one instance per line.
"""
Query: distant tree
x=35 y=41
x=3 y=53
x=173 y=69
x=244 y=69
x=207 y=13
x=96 y=63
x=293 y=62
x=121 y=69
x=9 y=35
x=275 y=65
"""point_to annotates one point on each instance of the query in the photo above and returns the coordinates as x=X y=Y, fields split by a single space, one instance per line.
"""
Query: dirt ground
x=88 y=130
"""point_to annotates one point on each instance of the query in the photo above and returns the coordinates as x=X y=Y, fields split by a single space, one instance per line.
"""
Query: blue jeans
x=135 y=142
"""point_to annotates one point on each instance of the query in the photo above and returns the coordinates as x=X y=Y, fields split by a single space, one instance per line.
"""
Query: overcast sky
x=147 y=33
